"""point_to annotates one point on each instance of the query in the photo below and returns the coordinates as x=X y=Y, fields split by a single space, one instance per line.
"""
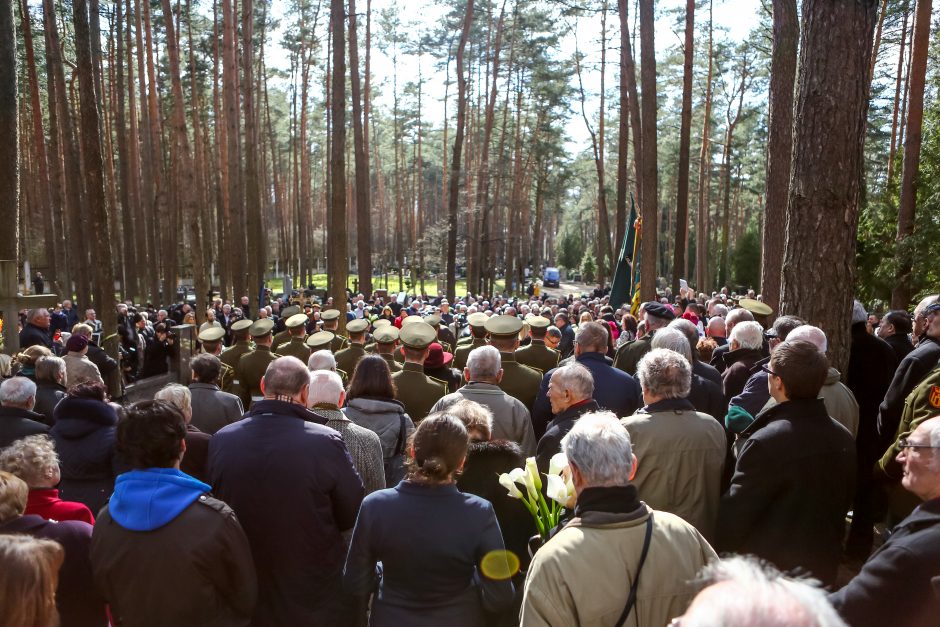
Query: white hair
x=811 y=334
x=673 y=339
x=664 y=372
x=600 y=447
x=720 y=310
x=859 y=313
x=748 y=334
x=484 y=362
x=321 y=360
x=18 y=392
x=178 y=396
x=575 y=378
x=752 y=593
x=325 y=387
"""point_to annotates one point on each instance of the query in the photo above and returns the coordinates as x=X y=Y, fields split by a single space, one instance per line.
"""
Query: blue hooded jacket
x=148 y=499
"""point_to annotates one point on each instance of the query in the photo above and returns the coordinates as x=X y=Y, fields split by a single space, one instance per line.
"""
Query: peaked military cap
x=419 y=335
x=261 y=327
x=503 y=325
x=357 y=326
x=296 y=320
x=241 y=325
x=434 y=320
x=320 y=339
x=211 y=334
x=387 y=334
x=412 y=319
x=755 y=306
x=477 y=319
x=537 y=321
x=381 y=322
x=293 y=310
x=329 y=314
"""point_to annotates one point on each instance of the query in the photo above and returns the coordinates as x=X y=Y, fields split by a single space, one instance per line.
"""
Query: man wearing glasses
x=894 y=586
x=910 y=372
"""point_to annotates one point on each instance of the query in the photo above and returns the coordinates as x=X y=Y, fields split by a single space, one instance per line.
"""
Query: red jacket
x=45 y=502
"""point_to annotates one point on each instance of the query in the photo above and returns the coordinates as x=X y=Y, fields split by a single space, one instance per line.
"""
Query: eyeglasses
x=905 y=443
x=769 y=371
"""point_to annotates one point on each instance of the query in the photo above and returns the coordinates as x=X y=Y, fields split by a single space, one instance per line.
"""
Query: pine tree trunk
x=895 y=110
x=129 y=283
x=779 y=146
x=9 y=147
x=828 y=142
x=629 y=111
x=704 y=174
x=685 y=140
x=235 y=238
x=338 y=245
x=726 y=218
x=254 y=228
x=901 y=294
x=650 y=180
x=363 y=202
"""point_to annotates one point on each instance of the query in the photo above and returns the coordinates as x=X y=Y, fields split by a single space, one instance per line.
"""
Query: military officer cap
x=658 y=310
x=755 y=306
x=503 y=326
x=320 y=339
x=539 y=322
x=293 y=310
x=381 y=322
x=477 y=319
x=296 y=320
x=330 y=314
x=419 y=335
x=261 y=327
x=434 y=320
x=241 y=325
x=412 y=319
x=357 y=326
x=387 y=334
x=211 y=334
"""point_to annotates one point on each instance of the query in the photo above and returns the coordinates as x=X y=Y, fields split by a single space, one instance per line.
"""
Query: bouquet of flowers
x=525 y=484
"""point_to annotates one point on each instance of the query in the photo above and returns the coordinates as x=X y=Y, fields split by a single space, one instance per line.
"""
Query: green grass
x=378 y=282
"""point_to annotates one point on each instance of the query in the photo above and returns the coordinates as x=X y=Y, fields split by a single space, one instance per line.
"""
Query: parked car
x=551 y=277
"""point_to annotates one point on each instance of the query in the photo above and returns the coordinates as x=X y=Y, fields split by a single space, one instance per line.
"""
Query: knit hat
x=77 y=343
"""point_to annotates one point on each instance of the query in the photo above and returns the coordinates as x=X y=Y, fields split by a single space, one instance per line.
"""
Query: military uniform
x=295 y=347
x=417 y=391
x=519 y=381
x=384 y=336
x=211 y=339
x=537 y=355
x=348 y=357
x=252 y=366
x=283 y=337
x=445 y=337
x=465 y=345
x=339 y=342
x=630 y=354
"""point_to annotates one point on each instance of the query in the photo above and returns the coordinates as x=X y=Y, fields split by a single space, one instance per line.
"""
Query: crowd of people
x=341 y=465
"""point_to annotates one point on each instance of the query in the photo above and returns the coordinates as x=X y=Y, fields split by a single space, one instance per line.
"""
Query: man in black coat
x=795 y=475
x=910 y=372
x=569 y=394
x=894 y=586
x=17 y=418
x=895 y=329
x=36 y=330
x=566 y=348
x=292 y=484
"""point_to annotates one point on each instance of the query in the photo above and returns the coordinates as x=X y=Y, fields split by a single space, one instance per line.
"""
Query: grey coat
x=511 y=419
x=382 y=417
x=213 y=408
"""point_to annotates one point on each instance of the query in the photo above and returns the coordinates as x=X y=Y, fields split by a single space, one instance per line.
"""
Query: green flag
x=622 y=288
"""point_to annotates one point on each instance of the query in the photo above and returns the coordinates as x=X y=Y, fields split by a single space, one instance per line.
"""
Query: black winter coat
x=85 y=435
x=792 y=485
x=901 y=344
x=871 y=367
x=48 y=396
x=910 y=372
x=18 y=423
x=894 y=586
x=31 y=335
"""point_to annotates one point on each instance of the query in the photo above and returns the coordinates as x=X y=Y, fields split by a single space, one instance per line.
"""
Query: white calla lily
x=518 y=475
x=507 y=482
x=556 y=489
x=557 y=463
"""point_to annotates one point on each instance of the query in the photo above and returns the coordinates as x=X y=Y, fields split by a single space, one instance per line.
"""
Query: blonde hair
x=6 y=365
x=29 y=356
x=13 y=495
x=33 y=459
x=28 y=581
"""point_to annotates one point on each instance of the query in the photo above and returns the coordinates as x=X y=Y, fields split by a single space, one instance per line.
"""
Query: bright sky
x=738 y=17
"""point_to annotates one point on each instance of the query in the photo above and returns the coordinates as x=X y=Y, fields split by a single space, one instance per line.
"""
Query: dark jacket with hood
x=165 y=552
x=894 y=586
x=78 y=603
x=16 y=423
x=85 y=436
x=792 y=485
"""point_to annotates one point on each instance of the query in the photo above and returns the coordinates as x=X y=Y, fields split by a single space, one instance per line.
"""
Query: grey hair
x=655 y=322
x=754 y=593
x=592 y=337
x=689 y=330
x=932 y=427
x=859 y=313
x=599 y=445
x=176 y=395
x=811 y=334
x=473 y=415
x=738 y=315
x=673 y=339
x=720 y=310
x=666 y=373
x=325 y=387
x=748 y=334
x=553 y=331
x=484 y=362
x=576 y=379
x=321 y=360
x=18 y=392
x=49 y=368
x=32 y=459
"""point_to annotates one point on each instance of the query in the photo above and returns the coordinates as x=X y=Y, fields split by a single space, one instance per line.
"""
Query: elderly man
x=795 y=473
x=895 y=329
x=656 y=316
x=570 y=393
x=17 y=418
x=36 y=332
x=293 y=486
x=212 y=408
x=518 y=380
x=613 y=389
x=716 y=330
x=894 y=586
x=91 y=319
x=911 y=371
x=699 y=367
x=683 y=450
x=611 y=561
x=732 y=319
x=566 y=347
x=326 y=397
x=511 y=420
x=705 y=395
x=745 y=350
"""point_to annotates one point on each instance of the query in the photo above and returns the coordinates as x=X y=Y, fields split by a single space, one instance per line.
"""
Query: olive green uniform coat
x=250 y=370
x=463 y=352
x=519 y=381
x=630 y=354
x=281 y=337
x=347 y=358
x=537 y=355
x=393 y=365
x=417 y=391
x=294 y=348
x=230 y=357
